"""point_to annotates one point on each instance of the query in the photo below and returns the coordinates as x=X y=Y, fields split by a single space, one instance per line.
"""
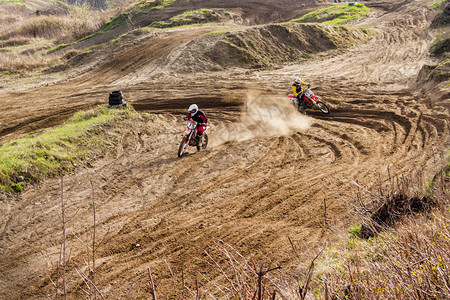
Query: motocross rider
x=297 y=88
x=198 y=116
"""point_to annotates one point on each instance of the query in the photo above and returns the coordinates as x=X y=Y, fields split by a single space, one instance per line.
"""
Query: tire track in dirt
x=282 y=184
x=42 y=120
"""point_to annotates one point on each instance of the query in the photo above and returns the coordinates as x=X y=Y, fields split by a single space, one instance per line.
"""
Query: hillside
x=269 y=176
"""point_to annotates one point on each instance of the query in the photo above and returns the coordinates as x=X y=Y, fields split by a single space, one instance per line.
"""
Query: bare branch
x=168 y=266
x=81 y=241
x=151 y=284
x=82 y=275
x=63 y=238
x=93 y=240
x=198 y=289
x=95 y=287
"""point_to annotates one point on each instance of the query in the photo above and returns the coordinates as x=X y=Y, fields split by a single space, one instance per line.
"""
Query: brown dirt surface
x=263 y=179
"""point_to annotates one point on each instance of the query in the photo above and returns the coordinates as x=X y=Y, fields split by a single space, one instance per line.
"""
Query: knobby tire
x=323 y=108
x=182 y=147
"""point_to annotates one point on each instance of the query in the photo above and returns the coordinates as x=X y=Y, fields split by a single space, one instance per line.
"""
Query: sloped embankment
x=269 y=45
x=434 y=79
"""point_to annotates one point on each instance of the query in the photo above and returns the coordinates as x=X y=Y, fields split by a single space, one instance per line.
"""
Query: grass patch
x=218 y=32
x=437 y=4
x=139 y=9
x=200 y=11
x=354 y=231
x=161 y=24
x=17 y=2
x=58 y=150
x=57 y=48
x=117 y=21
x=164 y=3
x=335 y=14
x=155 y=4
x=202 y=15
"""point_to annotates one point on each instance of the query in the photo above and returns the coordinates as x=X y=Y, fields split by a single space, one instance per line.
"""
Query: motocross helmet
x=193 y=109
x=297 y=79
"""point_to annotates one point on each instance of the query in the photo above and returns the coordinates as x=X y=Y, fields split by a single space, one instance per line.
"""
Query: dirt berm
x=267 y=45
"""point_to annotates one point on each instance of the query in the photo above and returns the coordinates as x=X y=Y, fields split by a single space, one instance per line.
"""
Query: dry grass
x=64 y=27
x=13 y=62
x=409 y=259
x=24 y=35
x=411 y=262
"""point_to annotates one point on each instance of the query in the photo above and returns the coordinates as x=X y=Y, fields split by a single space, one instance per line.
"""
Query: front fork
x=191 y=136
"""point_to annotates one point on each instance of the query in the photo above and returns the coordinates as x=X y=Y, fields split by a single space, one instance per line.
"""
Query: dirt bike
x=311 y=100
x=190 y=138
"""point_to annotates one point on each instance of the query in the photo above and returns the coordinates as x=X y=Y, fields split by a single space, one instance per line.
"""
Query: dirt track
x=265 y=177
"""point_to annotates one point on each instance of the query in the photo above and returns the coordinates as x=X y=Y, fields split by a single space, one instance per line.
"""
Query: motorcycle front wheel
x=182 y=147
x=323 y=108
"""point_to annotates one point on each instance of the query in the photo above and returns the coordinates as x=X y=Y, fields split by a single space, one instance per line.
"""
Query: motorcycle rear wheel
x=301 y=109
x=182 y=147
x=323 y=108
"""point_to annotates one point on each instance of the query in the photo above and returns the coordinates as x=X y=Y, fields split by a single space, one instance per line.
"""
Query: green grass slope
x=58 y=150
x=335 y=14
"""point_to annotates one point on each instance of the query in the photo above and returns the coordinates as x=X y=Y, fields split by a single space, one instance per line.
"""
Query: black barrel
x=116 y=98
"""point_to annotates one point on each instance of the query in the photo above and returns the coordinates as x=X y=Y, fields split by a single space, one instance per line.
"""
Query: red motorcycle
x=190 y=138
x=311 y=100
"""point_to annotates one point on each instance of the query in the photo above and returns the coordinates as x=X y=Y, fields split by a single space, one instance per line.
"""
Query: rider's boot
x=302 y=109
x=304 y=103
x=199 y=139
x=302 y=106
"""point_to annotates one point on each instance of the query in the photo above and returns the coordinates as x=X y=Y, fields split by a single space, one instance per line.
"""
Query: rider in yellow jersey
x=297 y=88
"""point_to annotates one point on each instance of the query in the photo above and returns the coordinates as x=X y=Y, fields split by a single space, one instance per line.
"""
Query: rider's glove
x=185 y=118
x=309 y=86
x=202 y=124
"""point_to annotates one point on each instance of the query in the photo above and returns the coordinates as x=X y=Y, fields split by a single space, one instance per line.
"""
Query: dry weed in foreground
x=408 y=261
x=235 y=277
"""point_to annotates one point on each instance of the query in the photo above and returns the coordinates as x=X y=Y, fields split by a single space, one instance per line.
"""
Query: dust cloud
x=262 y=116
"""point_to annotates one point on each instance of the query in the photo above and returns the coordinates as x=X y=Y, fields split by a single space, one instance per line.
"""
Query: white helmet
x=297 y=79
x=193 y=109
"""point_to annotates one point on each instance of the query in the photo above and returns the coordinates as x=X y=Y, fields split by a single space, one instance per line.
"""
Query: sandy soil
x=265 y=177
